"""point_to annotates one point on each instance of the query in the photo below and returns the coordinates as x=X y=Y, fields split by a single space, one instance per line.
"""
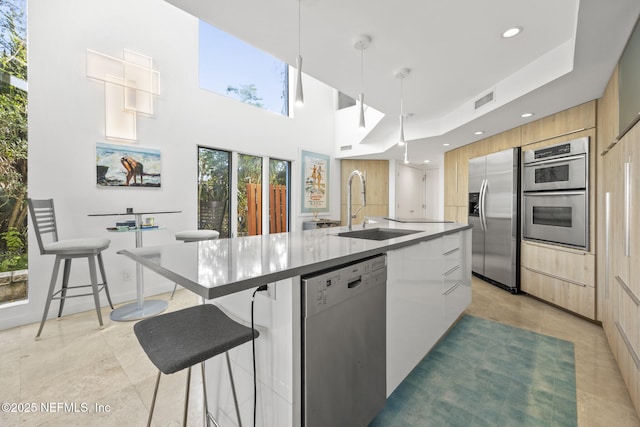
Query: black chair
x=43 y=221
x=178 y=340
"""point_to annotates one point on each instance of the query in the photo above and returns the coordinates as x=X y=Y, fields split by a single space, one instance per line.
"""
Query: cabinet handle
x=628 y=344
x=451 y=289
x=452 y=270
x=607 y=220
x=573 y=282
x=627 y=208
x=451 y=251
x=628 y=290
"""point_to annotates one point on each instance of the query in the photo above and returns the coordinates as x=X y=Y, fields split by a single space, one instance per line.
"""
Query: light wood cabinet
x=563 y=277
x=450 y=178
x=456 y=164
x=462 y=194
x=562 y=123
x=377 y=177
x=621 y=293
x=606 y=131
x=567 y=264
x=569 y=295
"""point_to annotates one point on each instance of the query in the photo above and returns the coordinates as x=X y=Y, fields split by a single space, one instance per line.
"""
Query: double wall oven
x=555 y=200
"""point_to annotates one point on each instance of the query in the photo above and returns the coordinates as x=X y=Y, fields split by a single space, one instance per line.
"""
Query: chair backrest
x=43 y=220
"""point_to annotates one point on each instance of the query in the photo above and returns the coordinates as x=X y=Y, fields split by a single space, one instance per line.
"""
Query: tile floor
x=105 y=379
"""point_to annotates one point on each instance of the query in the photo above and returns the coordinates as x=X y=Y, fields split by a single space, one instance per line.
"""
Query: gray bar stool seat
x=194 y=236
x=197 y=235
x=43 y=221
x=183 y=338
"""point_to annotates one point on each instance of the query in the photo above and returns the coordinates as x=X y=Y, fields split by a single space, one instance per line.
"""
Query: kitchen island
x=428 y=287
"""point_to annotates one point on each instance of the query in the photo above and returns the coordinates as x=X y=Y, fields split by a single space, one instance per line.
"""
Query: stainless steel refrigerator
x=494 y=195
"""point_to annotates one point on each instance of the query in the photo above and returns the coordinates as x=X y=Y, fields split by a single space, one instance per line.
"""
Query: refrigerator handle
x=483 y=192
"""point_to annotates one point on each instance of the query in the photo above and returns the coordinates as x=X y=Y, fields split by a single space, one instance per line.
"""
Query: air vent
x=345 y=147
x=484 y=100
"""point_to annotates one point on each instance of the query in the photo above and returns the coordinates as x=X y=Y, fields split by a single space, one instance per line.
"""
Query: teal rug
x=484 y=373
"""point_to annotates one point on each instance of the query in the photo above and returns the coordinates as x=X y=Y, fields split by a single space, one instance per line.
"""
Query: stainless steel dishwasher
x=344 y=344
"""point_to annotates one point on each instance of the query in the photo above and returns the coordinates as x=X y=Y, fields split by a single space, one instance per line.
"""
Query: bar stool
x=43 y=220
x=178 y=340
x=194 y=236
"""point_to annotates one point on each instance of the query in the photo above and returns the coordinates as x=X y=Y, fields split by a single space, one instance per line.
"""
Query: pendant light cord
x=299 y=32
x=361 y=70
x=401 y=97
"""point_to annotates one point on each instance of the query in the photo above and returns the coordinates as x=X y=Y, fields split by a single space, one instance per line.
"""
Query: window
x=249 y=195
x=279 y=179
x=214 y=168
x=231 y=67
x=13 y=151
x=217 y=199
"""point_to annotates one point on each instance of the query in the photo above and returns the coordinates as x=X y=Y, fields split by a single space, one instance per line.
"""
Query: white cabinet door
x=428 y=287
x=414 y=307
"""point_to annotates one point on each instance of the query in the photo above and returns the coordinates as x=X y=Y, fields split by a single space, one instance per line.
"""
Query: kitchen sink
x=377 y=233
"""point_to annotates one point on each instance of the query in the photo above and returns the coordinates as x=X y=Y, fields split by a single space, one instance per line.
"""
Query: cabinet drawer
x=629 y=364
x=573 y=297
x=451 y=242
x=456 y=299
x=564 y=264
x=627 y=314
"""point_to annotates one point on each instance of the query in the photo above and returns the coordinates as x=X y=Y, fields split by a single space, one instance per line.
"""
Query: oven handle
x=483 y=191
x=554 y=193
x=556 y=160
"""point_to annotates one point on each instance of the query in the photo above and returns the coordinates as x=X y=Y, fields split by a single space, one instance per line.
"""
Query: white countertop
x=214 y=268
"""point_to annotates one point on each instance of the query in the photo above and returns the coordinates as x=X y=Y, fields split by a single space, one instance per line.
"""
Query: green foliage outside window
x=213 y=190
x=13 y=136
x=249 y=172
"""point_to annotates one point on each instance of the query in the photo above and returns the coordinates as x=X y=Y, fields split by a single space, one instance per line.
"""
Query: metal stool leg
x=204 y=394
x=54 y=276
x=104 y=279
x=233 y=389
x=174 y=291
x=153 y=401
x=65 y=284
x=186 y=399
x=94 y=286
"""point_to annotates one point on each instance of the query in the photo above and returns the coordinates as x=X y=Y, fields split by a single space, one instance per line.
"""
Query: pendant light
x=361 y=44
x=299 y=93
x=401 y=74
x=406 y=153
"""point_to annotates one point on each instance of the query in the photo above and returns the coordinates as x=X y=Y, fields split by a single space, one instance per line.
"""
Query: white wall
x=66 y=119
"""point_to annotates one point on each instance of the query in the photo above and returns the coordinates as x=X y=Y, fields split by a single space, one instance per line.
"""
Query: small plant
x=14 y=258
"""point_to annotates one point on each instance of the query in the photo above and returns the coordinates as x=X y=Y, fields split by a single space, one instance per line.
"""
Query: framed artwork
x=315 y=182
x=127 y=166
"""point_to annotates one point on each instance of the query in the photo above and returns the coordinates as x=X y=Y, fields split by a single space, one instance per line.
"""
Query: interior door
x=411 y=192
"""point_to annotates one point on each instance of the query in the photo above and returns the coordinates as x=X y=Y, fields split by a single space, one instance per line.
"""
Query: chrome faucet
x=349 y=202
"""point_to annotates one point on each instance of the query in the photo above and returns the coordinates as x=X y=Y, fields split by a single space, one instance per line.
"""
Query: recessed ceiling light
x=478 y=132
x=525 y=115
x=512 y=32
x=446 y=145
x=426 y=161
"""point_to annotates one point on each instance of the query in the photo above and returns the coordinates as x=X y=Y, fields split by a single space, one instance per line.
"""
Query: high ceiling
x=563 y=57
